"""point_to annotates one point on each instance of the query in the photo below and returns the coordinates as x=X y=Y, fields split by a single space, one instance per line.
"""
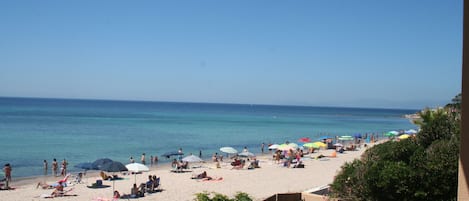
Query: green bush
x=425 y=168
x=205 y=196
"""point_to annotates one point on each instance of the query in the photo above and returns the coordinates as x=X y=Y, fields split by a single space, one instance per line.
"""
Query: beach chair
x=156 y=185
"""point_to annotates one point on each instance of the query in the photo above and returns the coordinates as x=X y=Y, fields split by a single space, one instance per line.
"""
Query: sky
x=367 y=53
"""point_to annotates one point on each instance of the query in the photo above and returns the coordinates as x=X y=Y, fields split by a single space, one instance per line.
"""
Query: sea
x=36 y=129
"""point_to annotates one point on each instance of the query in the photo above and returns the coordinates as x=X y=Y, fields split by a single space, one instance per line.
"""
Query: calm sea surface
x=32 y=130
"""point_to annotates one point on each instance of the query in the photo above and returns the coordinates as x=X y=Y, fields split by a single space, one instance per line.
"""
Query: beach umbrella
x=346 y=137
x=284 y=147
x=293 y=145
x=228 y=150
x=113 y=166
x=320 y=144
x=192 y=159
x=324 y=137
x=405 y=136
x=410 y=131
x=246 y=154
x=391 y=133
x=357 y=135
x=304 y=139
x=274 y=146
x=98 y=164
x=309 y=145
x=137 y=168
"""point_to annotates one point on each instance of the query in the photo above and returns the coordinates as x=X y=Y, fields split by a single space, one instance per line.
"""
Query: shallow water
x=34 y=129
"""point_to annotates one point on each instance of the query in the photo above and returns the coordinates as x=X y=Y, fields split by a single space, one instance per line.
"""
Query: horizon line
x=195 y=102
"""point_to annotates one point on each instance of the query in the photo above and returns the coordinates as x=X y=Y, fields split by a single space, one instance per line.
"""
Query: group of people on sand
x=57 y=186
x=139 y=191
x=152 y=183
x=179 y=165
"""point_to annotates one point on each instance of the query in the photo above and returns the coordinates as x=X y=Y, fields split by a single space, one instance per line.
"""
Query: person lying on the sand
x=104 y=176
x=208 y=178
x=50 y=186
x=200 y=176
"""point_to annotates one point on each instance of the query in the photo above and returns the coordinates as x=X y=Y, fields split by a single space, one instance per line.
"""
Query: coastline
x=179 y=186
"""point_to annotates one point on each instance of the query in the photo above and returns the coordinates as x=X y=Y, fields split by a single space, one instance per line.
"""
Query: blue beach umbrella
x=324 y=137
x=410 y=131
x=98 y=164
x=113 y=166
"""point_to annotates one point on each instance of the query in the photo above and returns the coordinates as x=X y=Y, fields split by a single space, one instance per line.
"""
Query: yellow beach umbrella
x=405 y=136
x=320 y=144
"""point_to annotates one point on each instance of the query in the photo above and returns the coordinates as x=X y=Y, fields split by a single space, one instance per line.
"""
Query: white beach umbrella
x=192 y=159
x=229 y=150
x=137 y=168
x=274 y=146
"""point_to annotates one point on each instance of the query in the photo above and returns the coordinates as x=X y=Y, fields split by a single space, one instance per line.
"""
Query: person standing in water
x=55 y=166
x=142 y=159
x=45 y=167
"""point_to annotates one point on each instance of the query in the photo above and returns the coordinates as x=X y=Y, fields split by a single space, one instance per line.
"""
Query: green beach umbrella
x=346 y=137
x=391 y=133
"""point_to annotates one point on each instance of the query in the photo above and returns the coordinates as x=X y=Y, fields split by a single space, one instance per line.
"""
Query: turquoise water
x=32 y=130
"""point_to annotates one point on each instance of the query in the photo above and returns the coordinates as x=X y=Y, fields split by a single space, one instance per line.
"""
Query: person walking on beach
x=45 y=167
x=200 y=153
x=142 y=159
x=151 y=160
x=262 y=148
x=55 y=166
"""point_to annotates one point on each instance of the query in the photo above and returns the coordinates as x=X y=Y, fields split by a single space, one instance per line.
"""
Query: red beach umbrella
x=304 y=139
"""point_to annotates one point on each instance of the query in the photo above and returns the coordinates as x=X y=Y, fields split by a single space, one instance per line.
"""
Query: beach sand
x=259 y=183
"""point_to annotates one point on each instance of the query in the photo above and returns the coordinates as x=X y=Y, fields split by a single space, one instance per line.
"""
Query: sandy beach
x=260 y=183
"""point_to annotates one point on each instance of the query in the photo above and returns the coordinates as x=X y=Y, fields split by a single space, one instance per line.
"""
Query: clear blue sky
x=391 y=54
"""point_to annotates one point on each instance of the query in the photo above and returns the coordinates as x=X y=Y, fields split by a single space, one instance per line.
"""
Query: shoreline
x=179 y=186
